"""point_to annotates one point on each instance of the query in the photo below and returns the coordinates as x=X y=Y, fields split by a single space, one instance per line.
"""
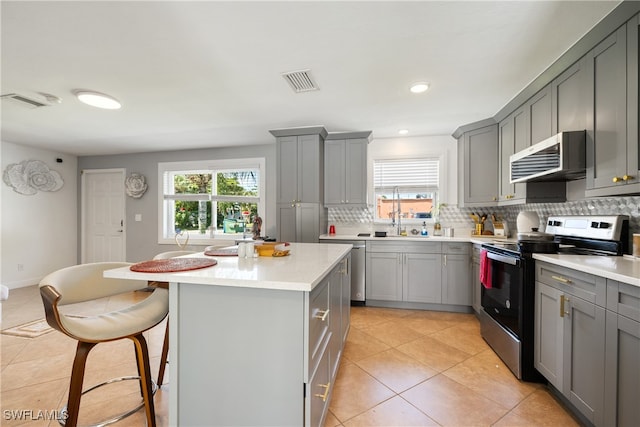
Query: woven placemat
x=172 y=265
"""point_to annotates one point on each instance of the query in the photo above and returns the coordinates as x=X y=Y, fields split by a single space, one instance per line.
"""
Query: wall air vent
x=30 y=101
x=300 y=81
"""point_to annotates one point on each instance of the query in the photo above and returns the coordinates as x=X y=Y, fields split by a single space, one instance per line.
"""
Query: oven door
x=502 y=294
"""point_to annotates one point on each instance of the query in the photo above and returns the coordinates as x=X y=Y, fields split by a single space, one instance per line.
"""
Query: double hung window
x=406 y=188
x=210 y=199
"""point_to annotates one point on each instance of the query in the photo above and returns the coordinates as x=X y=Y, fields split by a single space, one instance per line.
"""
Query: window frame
x=442 y=162
x=213 y=167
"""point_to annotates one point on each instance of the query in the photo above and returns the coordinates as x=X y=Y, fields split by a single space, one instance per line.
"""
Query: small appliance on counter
x=527 y=221
x=500 y=226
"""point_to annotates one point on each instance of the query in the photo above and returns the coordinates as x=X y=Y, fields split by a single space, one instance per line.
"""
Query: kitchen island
x=256 y=341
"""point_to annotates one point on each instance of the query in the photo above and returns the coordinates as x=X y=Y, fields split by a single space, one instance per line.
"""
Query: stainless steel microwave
x=561 y=157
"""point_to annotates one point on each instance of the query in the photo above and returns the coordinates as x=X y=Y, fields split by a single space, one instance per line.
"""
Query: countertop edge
x=199 y=277
x=625 y=270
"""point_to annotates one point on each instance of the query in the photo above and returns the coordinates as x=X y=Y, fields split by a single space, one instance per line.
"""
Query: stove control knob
x=557 y=223
x=603 y=225
x=594 y=224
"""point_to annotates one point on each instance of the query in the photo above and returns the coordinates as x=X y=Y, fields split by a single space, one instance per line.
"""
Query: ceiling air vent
x=29 y=101
x=300 y=81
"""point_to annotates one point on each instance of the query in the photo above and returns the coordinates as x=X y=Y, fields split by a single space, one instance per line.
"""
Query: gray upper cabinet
x=300 y=186
x=612 y=122
x=300 y=164
x=540 y=110
x=345 y=169
x=569 y=98
x=478 y=167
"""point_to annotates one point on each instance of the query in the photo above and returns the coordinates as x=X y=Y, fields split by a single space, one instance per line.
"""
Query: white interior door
x=103 y=210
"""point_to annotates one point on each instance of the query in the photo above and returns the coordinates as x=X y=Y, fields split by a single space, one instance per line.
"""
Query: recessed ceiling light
x=403 y=131
x=97 y=99
x=419 y=87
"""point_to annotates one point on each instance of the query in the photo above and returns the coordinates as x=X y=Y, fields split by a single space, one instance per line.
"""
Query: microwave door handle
x=503 y=259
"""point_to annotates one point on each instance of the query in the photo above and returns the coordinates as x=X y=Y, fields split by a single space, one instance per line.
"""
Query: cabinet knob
x=627 y=178
x=616 y=179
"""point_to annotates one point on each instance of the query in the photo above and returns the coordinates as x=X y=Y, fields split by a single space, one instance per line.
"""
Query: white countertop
x=305 y=266
x=622 y=268
x=410 y=238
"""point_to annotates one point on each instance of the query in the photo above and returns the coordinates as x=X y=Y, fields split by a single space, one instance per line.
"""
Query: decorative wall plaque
x=30 y=176
x=135 y=185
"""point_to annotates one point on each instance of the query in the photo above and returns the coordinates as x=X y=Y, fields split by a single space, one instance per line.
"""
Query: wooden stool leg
x=163 y=357
x=142 y=355
x=77 y=378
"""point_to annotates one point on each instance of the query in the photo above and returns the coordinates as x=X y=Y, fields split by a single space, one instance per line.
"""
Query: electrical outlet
x=20 y=267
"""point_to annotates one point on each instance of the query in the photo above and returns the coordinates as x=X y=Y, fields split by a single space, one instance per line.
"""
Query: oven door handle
x=504 y=259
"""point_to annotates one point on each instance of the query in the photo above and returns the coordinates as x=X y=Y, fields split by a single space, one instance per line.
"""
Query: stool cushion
x=120 y=323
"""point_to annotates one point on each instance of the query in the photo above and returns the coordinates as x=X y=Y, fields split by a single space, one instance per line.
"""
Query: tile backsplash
x=460 y=219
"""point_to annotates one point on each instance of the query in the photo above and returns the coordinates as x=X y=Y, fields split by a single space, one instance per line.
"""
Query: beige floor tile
x=427 y=325
x=33 y=403
x=393 y=412
x=51 y=344
x=355 y=392
x=392 y=332
x=10 y=353
x=396 y=370
x=434 y=353
x=331 y=420
x=463 y=338
x=538 y=409
x=364 y=317
x=452 y=404
x=360 y=345
x=36 y=371
x=487 y=375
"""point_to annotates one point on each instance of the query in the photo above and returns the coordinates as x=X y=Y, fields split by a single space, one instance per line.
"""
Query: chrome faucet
x=396 y=192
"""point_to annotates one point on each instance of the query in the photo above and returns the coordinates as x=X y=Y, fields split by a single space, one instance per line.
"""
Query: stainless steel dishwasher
x=358 y=258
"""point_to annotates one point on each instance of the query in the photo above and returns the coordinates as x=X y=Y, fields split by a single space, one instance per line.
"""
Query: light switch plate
x=138 y=217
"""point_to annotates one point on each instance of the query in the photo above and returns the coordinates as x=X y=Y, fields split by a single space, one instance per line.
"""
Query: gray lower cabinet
x=419 y=273
x=622 y=370
x=612 y=126
x=399 y=271
x=478 y=167
x=456 y=274
x=569 y=348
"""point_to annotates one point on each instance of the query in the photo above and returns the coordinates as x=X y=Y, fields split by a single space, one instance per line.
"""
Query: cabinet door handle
x=563 y=300
x=627 y=178
x=444 y=263
x=616 y=179
x=322 y=315
x=326 y=391
x=561 y=279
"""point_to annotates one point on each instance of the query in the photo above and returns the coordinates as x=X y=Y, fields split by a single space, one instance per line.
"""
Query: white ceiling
x=208 y=74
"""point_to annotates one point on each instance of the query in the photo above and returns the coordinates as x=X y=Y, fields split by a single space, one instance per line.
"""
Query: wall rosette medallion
x=135 y=185
x=30 y=176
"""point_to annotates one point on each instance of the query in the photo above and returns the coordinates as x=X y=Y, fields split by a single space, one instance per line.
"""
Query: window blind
x=406 y=173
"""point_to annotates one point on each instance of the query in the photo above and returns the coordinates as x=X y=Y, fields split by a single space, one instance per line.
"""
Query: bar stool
x=165 y=285
x=85 y=282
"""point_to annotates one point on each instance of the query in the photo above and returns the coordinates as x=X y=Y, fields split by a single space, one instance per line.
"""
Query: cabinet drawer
x=586 y=286
x=319 y=321
x=319 y=389
x=456 y=248
x=419 y=247
x=623 y=299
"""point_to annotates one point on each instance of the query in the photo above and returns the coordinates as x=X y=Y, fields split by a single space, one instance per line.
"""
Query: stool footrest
x=154 y=387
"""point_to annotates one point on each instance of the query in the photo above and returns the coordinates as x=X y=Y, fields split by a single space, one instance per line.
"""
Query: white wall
x=421 y=146
x=39 y=232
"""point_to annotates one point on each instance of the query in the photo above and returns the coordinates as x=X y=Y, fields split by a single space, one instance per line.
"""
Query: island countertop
x=301 y=270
